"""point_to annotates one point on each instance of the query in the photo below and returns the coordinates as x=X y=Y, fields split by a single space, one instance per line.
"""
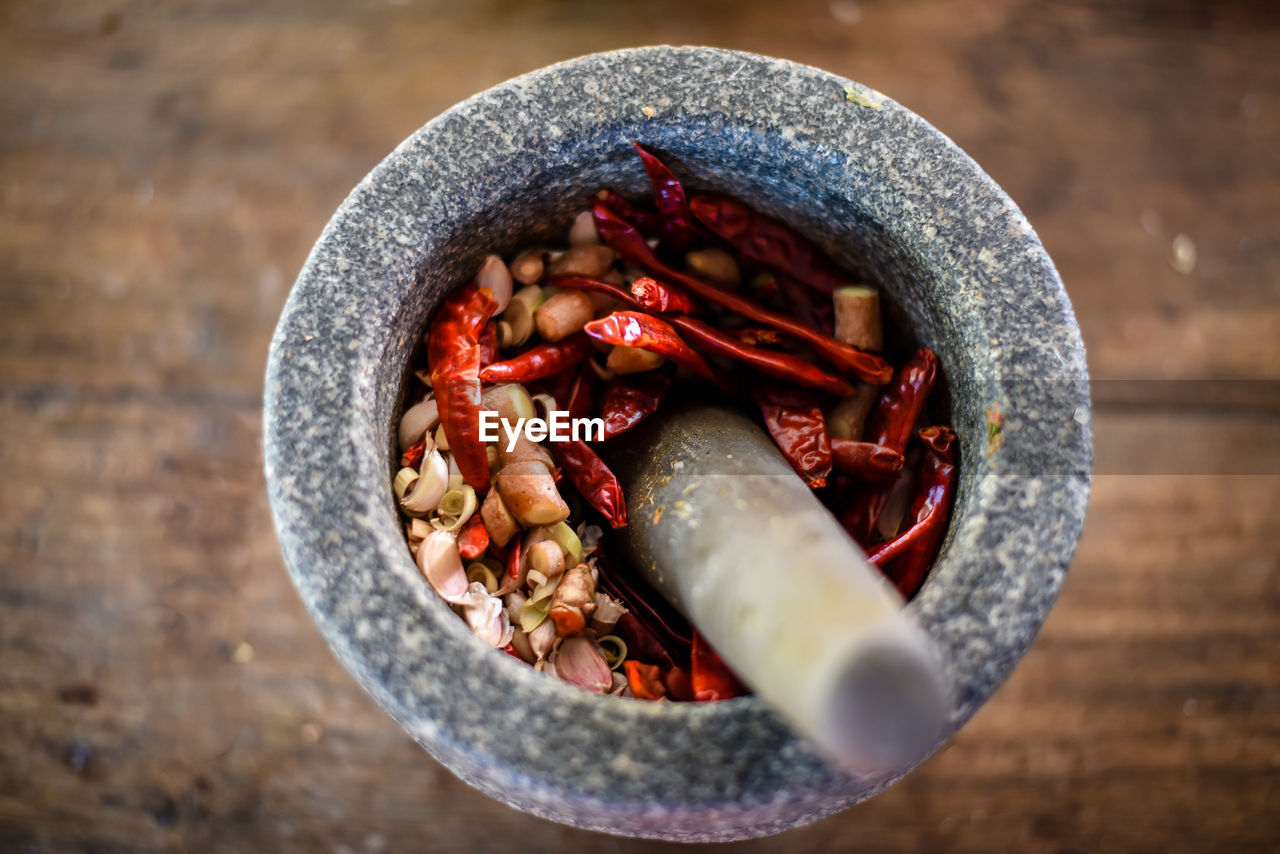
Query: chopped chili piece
x=630 y=244
x=473 y=539
x=712 y=679
x=540 y=362
x=796 y=423
x=489 y=344
x=669 y=198
x=646 y=220
x=413 y=456
x=768 y=242
x=592 y=477
x=453 y=356
x=630 y=399
x=645 y=681
x=865 y=460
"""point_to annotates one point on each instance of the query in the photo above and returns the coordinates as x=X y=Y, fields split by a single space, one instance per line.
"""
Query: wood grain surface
x=164 y=169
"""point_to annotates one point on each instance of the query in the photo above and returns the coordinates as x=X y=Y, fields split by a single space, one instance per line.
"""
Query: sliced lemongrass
x=544 y=404
x=546 y=558
x=460 y=502
x=483 y=574
x=506 y=335
x=568 y=542
x=533 y=613
x=439 y=562
x=510 y=400
x=430 y=487
x=405 y=478
x=544 y=591
x=536 y=578
x=614 y=649
x=416 y=421
x=440 y=522
x=418 y=529
x=520 y=311
x=495 y=276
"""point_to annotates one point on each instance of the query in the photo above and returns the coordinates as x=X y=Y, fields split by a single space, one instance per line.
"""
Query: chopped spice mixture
x=687 y=289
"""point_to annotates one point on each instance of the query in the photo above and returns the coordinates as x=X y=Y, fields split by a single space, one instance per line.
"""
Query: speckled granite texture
x=882 y=191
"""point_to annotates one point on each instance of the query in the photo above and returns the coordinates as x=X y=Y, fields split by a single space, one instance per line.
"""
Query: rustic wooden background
x=165 y=168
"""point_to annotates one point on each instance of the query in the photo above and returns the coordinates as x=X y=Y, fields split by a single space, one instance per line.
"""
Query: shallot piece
x=441 y=565
x=580 y=661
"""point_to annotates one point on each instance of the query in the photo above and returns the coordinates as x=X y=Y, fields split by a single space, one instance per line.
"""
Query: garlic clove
x=441 y=565
x=580 y=661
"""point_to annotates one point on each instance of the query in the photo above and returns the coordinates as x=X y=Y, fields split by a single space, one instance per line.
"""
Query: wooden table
x=165 y=169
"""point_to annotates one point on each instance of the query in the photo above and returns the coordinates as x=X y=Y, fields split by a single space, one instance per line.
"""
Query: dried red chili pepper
x=473 y=539
x=489 y=344
x=807 y=304
x=512 y=561
x=755 y=336
x=798 y=427
x=865 y=460
x=670 y=200
x=678 y=683
x=630 y=244
x=633 y=329
x=540 y=362
x=511 y=651
x=592 y=477
x=907 y=557
x=661 y=297
x=630 y=399
x=646 y=220
x=669 y=630
x=768 y=242
x=644 y=681
x=453 y=357
x=890 y=424
x=580 y=399
x=641 y=643
x=783 y=366
x=414 y=454
x=583 y=283
x=712 y=679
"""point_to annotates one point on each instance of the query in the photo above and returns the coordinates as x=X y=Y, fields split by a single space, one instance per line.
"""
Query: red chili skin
x=661 y=297
x=582 y=283
x=473 y=539
x=592 y=477
x=865 y=460
x=489 y=344
x=809 y=305
x=679 y=684
x=629 y=243
x=907 y=557
x=453 y=356
x=630 y=399
x=670 y=200
x=768 y=242
x=413 y=456
x=783 y=366
x=540 y=362
x=798 y=427
x=646 y=220
x=513 y=558
x=641 y=643
x=755 y=336
x=712 y=679
x=890 y=424
x=668 y=630
x=634 y=329
x=645 y=681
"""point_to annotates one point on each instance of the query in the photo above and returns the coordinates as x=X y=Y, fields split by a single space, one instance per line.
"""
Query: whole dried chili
x=634 y=329
x=907 y=557
x=473 y=538
x=669 y=631
x=630 y=244
x=768 y=242
x=630 y=399
x=584 y=283
x=661 y=297
x=489 y=344
x=540 y=362
x=795 y=421
x=783 y=366
x=646 y=220
x=712 y=678
x=865 y=460
x=592 y=477
x=453 y=357
x=889 y=425
x=670 y=200
x=755 y=336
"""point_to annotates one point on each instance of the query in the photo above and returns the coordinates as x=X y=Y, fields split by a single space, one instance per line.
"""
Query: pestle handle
x=732 y=537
